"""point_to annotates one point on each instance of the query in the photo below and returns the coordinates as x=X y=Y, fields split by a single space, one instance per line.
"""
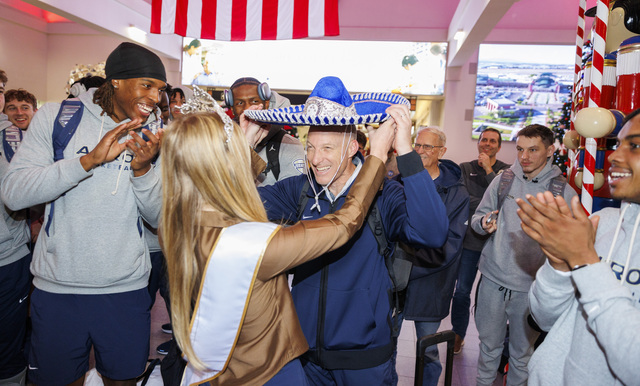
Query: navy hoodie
x=431 y=286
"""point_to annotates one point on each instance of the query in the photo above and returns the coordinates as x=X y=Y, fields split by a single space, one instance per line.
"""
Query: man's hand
x=108 y=148
x=567 y=239
x=253 y=132
x=381 y=139
x=490 y=222
x=144 y=151
x=401 y=117
x=485 y=162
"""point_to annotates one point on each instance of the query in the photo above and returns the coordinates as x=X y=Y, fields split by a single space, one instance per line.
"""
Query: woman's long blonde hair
x=199 y=167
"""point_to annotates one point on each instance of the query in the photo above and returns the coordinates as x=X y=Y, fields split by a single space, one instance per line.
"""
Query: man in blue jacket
x=435 y=270
x=343 y=298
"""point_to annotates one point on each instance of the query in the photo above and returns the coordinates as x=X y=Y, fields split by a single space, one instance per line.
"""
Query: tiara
x=203 y=102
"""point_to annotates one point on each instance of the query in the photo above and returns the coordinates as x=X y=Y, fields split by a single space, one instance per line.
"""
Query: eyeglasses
x=417 y=146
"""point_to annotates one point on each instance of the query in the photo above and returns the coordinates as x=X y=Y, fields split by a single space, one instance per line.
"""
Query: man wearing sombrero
x=343 y=298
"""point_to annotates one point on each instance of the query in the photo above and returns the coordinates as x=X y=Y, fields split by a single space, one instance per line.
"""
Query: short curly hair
x=21 y=95
x=3 y=77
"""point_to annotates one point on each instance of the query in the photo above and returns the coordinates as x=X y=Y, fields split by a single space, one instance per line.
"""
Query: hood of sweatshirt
x=450 y=174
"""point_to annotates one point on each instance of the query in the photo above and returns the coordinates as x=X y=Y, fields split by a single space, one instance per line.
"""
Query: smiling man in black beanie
x=87 y=160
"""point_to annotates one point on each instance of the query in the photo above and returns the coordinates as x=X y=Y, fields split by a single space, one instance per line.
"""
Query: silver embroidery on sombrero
x=324 y=108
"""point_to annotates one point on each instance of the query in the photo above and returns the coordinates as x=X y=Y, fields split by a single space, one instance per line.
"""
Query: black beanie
x=130 y=60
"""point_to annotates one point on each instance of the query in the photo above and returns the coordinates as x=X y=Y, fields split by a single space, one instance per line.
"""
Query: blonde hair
x=200 y=168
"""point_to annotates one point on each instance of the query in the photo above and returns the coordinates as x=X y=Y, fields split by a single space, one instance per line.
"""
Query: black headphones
x=264 y=92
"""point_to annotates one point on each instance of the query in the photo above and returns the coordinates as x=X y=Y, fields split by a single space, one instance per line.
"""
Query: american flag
x=239 y=20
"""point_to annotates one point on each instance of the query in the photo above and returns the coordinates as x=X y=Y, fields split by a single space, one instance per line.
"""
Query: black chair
x=429 y=340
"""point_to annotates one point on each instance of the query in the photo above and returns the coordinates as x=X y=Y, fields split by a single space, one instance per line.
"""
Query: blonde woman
x=232 y=312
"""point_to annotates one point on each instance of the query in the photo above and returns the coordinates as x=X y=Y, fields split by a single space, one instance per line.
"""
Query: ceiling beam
x=114 y=17
x=470 y=25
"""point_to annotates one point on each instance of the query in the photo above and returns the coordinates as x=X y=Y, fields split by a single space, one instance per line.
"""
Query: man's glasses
x=417 y=146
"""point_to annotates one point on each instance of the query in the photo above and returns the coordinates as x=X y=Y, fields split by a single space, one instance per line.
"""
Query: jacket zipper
x=322 y=305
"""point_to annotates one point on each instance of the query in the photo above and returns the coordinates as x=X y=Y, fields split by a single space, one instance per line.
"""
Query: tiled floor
x=464 y=364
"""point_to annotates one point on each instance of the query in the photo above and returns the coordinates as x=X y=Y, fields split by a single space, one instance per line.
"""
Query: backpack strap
x=506 y=180
x=302 y=201
x=375 y=223
x=15 y=136
x=390 y=252
x=273 y=154
x=64 y=127
x=557 y=185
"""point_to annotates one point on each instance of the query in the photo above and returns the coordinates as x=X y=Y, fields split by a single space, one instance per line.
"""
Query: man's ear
x=115 y=83
x=353 y=148
x=442 y=151
x=550 y=150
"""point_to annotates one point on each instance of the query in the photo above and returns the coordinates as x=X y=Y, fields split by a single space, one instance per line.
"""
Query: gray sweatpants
x=496 y=305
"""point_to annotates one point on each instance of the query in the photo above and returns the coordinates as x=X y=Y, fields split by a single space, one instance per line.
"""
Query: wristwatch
x=577 y=267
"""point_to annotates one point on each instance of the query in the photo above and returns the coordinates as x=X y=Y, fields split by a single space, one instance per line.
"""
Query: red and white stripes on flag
x=240 y=20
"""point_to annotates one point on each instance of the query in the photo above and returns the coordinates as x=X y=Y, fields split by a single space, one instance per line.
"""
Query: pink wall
x=23 y=56
x=38 y=56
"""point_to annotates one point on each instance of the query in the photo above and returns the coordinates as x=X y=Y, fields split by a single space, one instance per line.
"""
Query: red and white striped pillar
x=595 y=91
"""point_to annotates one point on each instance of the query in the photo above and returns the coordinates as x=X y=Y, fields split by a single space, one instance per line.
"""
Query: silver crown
x=203 y=102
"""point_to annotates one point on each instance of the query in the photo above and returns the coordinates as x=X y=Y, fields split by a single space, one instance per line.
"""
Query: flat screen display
x=519 y=85
x=413 y=68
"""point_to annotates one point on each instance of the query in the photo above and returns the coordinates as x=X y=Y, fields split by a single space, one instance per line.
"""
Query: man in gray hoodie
x=510 y=258
x=587 y=293
x=91 y=262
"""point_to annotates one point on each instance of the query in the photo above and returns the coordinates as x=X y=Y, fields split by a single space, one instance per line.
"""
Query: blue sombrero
x=331 y=105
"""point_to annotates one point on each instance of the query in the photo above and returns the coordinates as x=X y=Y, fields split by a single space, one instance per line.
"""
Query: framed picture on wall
x=519 y=85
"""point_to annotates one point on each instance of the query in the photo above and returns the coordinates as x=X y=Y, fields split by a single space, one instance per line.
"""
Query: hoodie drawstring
x=625 y=270
x=615 y=235
x=119 y=174
x=121 y=164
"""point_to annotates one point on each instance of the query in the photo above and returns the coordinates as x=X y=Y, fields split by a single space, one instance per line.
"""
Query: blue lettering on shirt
x=633 y=275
